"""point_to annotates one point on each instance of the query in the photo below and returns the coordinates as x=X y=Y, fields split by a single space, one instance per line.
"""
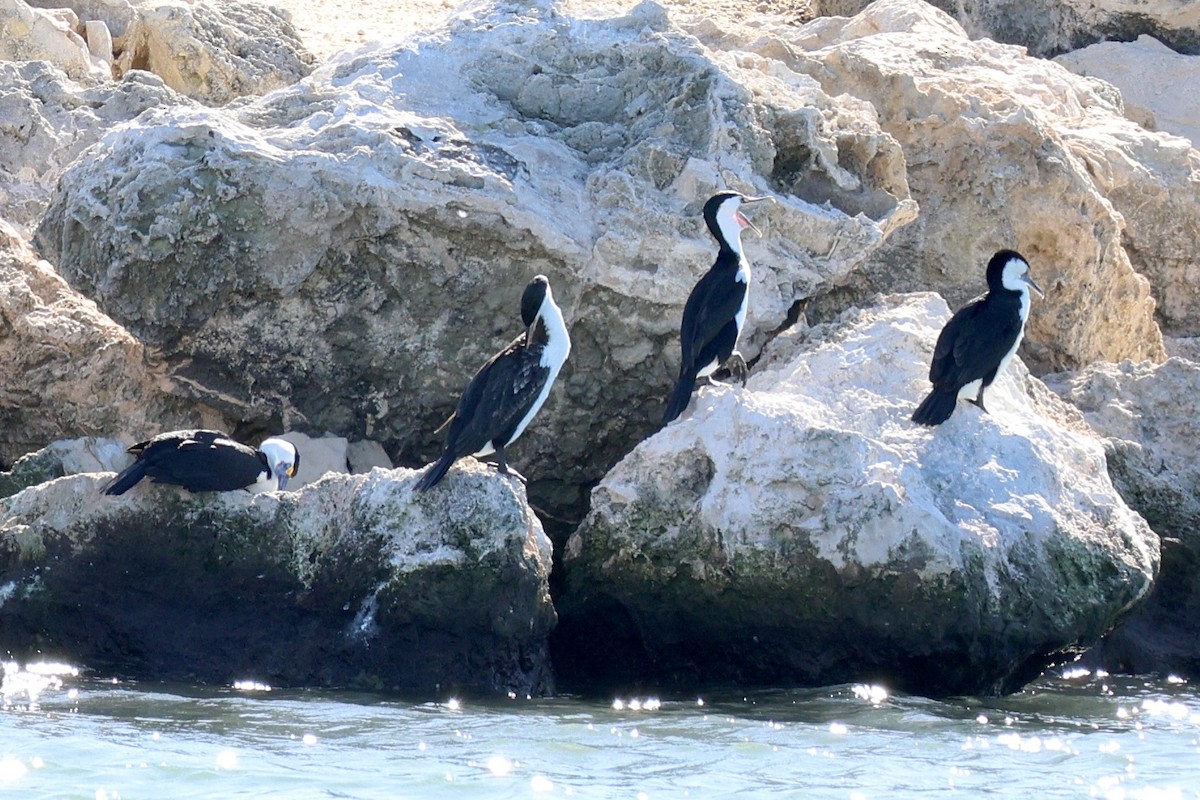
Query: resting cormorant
x=207 y=461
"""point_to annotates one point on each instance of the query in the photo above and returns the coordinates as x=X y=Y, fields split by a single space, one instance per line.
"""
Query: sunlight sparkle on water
x=838 y=729
x=453 y=704
x=540 y=783
x=251 y=686
x=309 y=739
x=499 y=766
x=870 y=692
x=227 y=759
x=11 y=770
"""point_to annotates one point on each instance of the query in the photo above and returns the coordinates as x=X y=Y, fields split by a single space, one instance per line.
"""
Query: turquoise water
x=1083 y=735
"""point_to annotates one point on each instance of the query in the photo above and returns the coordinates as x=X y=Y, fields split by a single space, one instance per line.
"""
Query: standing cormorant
x=509 y=390
x=207 y=461
x=979 y=340
x=716 y=308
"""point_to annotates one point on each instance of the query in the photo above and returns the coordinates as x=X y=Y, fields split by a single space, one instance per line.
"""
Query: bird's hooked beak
x=1033 y=284
x=283 y=471
x=745 y=223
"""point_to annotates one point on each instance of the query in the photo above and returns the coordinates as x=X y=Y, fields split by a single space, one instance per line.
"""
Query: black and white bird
x=207 y=461
x=508 y=391
x=979 y=340
x=716 y=308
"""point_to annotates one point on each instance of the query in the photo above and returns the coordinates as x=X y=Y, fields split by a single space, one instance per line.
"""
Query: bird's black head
x=1008 y=270
x=532 y=299
x=724 y=220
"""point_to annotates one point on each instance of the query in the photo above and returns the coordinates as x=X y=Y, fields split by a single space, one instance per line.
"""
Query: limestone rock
x=803 y=530
x=217 y=50
x=32 y=34
x=350 y=250
x=352 y=581
x=365 y=455
x=67 y=457
x=1149 y=416
x=1002 y=151
x=71 y=371
x=1051 y=27
x=318 y=456
x=47 y=121
x=1154 y=81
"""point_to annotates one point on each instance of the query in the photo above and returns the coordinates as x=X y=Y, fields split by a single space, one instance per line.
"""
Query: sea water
x=1072 y=734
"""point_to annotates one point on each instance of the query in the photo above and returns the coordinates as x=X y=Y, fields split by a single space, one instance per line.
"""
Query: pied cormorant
x=509 y=390
x=207 y=461
x=716 y=308
x=979 y=340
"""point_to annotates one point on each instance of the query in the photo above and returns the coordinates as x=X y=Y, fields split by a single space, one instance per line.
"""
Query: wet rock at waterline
x=1149 y=417
x=805 y=531
x=349 y=582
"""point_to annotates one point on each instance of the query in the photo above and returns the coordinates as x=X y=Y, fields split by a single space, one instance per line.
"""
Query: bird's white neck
x=730 y=227
x=558 y=341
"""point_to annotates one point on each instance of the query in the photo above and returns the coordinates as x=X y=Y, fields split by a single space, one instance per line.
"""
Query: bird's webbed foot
x=978 y=400
x=502 y=468
x=737 y=368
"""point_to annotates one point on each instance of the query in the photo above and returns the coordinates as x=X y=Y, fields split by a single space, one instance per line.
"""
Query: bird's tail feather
x=936 y=408
x=126 y=479
x=436 y=471
x=680 y=396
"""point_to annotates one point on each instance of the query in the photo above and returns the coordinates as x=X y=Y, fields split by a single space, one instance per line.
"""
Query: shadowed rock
x=350 y=582
x=1149 y=417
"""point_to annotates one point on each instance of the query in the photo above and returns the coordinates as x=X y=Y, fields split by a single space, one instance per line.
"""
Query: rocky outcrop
x=70 y=371
x=352 y=249
x=353 y=581
x=1004 y=150
x=47 y=121
x=33 y=34
x=1051 y=27
x=214 y=51
x=1153 y=80
x=67 y=457
x=1149 y=416
x=804 y=531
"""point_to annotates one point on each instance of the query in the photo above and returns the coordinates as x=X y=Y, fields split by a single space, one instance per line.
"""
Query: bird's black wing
x=973 y=342
x=710 y=307
x=203 y=463
x=497 y=399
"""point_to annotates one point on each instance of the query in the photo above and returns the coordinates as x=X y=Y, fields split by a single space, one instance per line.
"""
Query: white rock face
x=49 y=120
x=1051 y=27
x=353 y=581
x=1005 y=150
x=798 y=519
x=1154 y=80
x=215 y=51
x=32 y=34
x=353 y=248
x=318 y=456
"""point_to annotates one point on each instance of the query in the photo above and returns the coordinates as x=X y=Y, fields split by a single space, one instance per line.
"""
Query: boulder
x=34 y=34
x=214 y=51
x=1005 y=150
x=1149 y=416
x=350 y=582
x=1153 y=80
x=1051 y=27
x=67 y=457
x=48 y=120
x=318 y=456
x=353 y=248
x=804 y=531
x=71 y=371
